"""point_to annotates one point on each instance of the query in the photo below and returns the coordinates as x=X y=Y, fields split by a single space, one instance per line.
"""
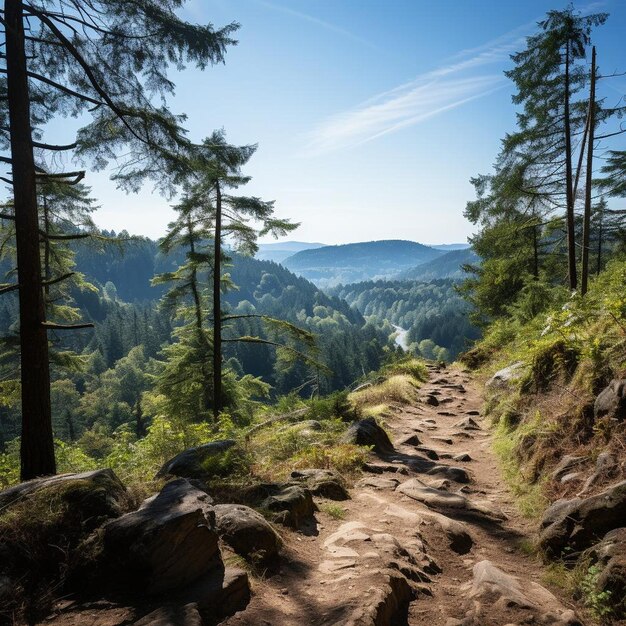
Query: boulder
x=367 y=432
x=429 y=452
x=411 y=440
x=494 y=597
x=506 y=376
x=169 y=542
x=321 y=482
x=611 y=401
x=467 y=423
x=195 y=462
x=464 y=457
x=606 y=464
x=609 y=557
x=98 y=494
x=432 y=400
x=566 y=465
x=576 y=524
x=246 y=532
x=219 y=593
x=292 y=505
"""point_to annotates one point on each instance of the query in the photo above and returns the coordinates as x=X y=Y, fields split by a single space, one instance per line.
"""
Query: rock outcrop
x=367 y=432
x=247 y=532
x=611 y=402
x=322 y=482
x=167 y=543
x=578 y=523
x=496 y=597
x=196 y=462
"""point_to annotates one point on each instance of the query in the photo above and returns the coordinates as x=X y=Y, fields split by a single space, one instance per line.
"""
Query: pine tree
x=219 y=168
x=548 y=75
x=105 y=59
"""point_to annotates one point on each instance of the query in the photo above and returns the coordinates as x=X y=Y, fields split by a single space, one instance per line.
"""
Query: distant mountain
x=354 y=262
x=447 y=265
x=450 y=246
x=280 y=250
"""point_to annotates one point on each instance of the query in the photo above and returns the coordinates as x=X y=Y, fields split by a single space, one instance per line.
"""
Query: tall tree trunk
x=206 y=376
x=37 y=445
x=571 y=232
x=46 y=259
x=600 y=235
x=217 y=307
x=589 y=176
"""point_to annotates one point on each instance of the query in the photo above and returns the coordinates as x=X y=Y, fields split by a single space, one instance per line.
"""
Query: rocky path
x=430 y=535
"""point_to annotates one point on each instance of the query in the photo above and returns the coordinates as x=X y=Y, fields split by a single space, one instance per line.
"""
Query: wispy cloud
x=313 y=20
x=441 y=89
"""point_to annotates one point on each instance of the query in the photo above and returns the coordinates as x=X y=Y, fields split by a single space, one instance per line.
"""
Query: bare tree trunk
x=571 y=232
x=37 y=445
x=589 y=176
x=217 y=307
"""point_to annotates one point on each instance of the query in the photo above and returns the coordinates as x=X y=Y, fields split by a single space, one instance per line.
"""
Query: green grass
x=333 y=510
x=400 y=388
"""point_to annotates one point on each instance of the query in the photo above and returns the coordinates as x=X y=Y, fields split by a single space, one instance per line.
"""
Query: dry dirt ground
x=346 y=571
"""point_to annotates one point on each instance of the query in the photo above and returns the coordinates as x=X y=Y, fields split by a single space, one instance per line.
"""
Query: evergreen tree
x=548 y=75
x=106 y=59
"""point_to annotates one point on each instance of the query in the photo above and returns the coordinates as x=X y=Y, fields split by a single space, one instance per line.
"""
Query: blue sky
x=370 y=115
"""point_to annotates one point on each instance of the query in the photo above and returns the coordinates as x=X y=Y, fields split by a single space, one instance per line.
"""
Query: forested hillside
x=450 y=265
x=434 y=314
x=349 y=263
x=131 y=329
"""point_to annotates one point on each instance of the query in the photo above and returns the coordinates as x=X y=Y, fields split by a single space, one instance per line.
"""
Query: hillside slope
x=447 y=265
x=354 y=262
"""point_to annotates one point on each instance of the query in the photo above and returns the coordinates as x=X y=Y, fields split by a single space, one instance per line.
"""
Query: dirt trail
x=354 y=570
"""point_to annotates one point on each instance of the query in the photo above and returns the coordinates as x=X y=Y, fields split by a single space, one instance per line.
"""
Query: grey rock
x=463 y=458
x=566 y=465
x=429 y=452
x=99 y=493
x=606 y=464
x=192 y=463
x=578 y=523
x=493 y=591
x=611 y=401
x=506 y=376
x=432 y=400
x=221 y=592
x=322 y=482
x=411 y=440
x=367 y=432
x=571 y=477
x=247 y=532
x=169 y=542
x=467 y=424
x=292 y=505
